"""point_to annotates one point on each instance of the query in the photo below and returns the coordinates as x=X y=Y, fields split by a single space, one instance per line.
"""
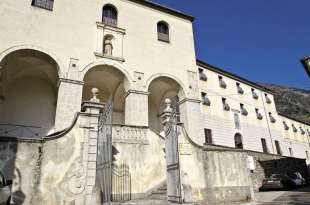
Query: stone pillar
x=92 y=109
x=190 y=116
x=136 y=108
x=68 y=102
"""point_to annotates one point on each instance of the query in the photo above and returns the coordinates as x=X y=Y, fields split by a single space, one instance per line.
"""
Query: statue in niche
x=108 y=46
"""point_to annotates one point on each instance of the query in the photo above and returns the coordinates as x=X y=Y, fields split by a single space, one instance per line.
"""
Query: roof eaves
x=233 y=76
x=165 y=9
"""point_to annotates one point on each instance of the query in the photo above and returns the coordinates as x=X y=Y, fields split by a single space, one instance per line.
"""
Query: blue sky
x=261 y=40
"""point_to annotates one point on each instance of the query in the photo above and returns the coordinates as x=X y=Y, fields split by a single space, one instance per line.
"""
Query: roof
x=233 y=76
x=164 y=9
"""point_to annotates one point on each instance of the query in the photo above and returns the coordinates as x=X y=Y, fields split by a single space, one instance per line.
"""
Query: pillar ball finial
x=94 y=91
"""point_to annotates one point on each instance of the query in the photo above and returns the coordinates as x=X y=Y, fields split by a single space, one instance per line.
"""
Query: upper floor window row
x=44 y=4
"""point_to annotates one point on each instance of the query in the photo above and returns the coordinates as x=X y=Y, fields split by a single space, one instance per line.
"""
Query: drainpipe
x=267 y=120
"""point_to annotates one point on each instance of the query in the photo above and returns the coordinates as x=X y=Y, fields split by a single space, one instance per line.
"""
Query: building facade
x=137 y=54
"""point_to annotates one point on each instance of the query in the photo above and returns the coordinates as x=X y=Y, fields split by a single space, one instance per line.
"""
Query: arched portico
x=28 y=90
x=159 y=89
x=112 y=83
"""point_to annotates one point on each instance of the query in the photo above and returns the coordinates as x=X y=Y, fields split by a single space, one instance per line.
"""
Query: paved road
x=299 y=196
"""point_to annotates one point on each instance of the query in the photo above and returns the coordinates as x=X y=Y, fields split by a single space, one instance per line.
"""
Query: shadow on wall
x=8 y=150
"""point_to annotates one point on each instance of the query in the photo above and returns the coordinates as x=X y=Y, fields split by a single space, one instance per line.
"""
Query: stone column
x=68 y=102
x=190 y=116
x=136 y=108
x=92 y=109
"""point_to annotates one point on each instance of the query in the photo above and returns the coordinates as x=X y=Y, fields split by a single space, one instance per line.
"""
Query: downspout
x=267 y=120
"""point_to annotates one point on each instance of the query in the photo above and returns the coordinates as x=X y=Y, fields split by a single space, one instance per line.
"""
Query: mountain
x=293 y=102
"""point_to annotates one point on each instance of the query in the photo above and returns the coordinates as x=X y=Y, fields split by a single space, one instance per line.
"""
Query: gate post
x=92 y=108
x=169 y=122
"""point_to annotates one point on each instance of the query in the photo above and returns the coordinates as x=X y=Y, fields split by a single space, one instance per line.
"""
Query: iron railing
x=163 y=37
x=109 y=21
x=45 y=4
x=121 y=184
x=23 y=131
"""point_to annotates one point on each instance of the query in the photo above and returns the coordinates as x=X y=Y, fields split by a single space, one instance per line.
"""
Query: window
x=258 y=114
x=302 y=131
x=45 y=4
x=294 y=128
x=238 y=141
x=254 y=94
x=272 y=119
x=264 y=145
x=243 y=110
x=222 y=82
x=239 y=88
x=307 y=154
x=225 y=104
x=276 y=142
x=286 y=127
x=267 y=99
x=290 y=151
x=202 y=75
x=237 y=121
x=109 y=15
x=205 y=100
x=208 y=136
x=163 y=31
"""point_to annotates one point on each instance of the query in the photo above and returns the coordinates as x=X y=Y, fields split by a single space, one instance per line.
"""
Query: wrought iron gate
x=104 y=152
x=172 y=155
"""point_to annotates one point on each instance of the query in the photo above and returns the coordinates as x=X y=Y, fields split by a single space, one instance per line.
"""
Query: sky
x=261 y=40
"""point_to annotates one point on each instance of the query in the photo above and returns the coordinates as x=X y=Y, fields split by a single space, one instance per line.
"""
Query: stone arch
x=35 y=48
x=112 y=83
x=28 y=89
x=161 y=87
x=107 y=62
x=157 y=75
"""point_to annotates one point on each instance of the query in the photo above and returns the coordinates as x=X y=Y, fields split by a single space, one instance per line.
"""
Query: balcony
x=244 y=112
x=202 y=75
x=259 y=115
x=240 y=90
x=222 y=83
x=254 y=94
x=226 y=107
x=286 y=127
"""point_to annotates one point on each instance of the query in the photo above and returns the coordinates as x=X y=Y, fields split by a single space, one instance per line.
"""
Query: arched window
x=163 y=31
x=109 y=15
x=238 y=141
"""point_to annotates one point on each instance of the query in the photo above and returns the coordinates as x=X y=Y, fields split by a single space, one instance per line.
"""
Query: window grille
x=44 y=4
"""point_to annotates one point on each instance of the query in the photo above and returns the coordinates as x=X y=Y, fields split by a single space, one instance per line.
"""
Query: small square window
x=44 y=4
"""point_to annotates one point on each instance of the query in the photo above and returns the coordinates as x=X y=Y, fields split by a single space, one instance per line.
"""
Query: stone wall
x=267 y=164
x=58 y=169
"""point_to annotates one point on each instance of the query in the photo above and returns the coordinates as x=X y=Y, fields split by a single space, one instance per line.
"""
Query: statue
x=108 y=47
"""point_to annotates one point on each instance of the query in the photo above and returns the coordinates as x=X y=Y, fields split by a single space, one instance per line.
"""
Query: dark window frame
x=163 y=31
x=109 y=15
x=278 y=147
x=264 y=145
x=208 y=136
